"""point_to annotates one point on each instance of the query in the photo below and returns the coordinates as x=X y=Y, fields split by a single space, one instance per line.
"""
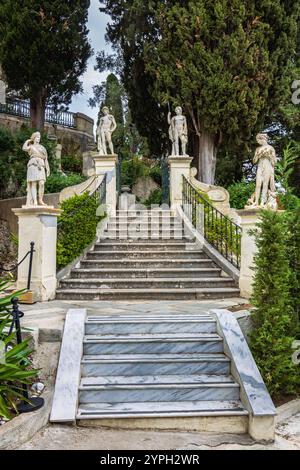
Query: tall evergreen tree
x=228 y=62
x=44 y=50
x=274 y=325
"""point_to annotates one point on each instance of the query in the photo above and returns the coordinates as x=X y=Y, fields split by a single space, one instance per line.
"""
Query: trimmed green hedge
x=77 y=227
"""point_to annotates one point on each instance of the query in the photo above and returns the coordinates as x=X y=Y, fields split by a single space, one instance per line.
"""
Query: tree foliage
x=44 y=50
x=228 y=63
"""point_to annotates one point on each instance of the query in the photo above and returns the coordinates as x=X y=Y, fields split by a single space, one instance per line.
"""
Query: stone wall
x=6 y=206
x=74 y=141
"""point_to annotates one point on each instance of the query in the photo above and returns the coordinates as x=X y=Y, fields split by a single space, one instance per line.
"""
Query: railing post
x=179 y=167
x=38 y=224
x=107 y=164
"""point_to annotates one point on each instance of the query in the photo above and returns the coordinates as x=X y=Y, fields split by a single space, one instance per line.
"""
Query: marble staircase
x=146 y=255
x=162 y=366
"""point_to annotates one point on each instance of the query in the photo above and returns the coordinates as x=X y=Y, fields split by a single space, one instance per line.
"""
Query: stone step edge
x=160 y=379
x=92 y=339
x=140 y=270
x=208 y=290
x=153 y=358
x=141 y=280
x=166 y=386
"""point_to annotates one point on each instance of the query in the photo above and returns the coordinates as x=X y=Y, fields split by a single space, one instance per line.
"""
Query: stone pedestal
x=249 y=218
x=38 y=225
x=127 y=200
x=107 y=164
x=179 y=166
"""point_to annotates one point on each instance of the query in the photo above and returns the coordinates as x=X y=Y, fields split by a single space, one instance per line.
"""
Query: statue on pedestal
x=178 y=132
x=265 y=193
x=37 y=169
x=107 y=126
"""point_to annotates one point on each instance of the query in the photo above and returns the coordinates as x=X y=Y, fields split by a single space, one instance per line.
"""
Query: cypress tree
x=273 y=319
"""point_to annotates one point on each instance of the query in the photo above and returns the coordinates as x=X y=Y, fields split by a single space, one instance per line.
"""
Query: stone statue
x=178 y=132
x=107 y=126
x=265 y=193
x=37 y=169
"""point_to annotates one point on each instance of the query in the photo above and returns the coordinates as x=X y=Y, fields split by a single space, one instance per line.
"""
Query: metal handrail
x=218 y=229
x=17 y=107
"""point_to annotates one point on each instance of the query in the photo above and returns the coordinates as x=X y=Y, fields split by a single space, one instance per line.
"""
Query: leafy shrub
x=77 y=227
x=71 y=163
x=273 y=319
x=156 y=174
x=293 y=248
x=15 y=366
x=240 y=192
x=56 y=182
x=155 y=198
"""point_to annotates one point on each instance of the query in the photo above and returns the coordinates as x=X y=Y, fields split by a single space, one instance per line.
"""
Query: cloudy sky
x=97 y=26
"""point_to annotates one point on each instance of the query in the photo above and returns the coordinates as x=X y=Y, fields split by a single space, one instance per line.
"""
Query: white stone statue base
x=38 y=224
x=107 y=164
x=179 y=166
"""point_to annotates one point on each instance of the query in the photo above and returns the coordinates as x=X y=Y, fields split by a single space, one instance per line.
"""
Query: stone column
x=107 y=164
x=38 y=225
x=179 y=166
x=249 y=218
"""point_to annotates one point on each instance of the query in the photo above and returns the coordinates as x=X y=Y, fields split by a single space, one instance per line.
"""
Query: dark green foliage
x=155 y=198
x=156 y=174
x=273 y=318
x=71 y=163
x=240 y=192
x=77 y=227
x=44 y=50
x=56 y=182
x=13 y=161
x=135 y=168
x=229 y=63
x=293 y=248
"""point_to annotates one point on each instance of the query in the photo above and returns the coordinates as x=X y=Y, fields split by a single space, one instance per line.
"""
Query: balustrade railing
x=219 y=230
x=21 y=108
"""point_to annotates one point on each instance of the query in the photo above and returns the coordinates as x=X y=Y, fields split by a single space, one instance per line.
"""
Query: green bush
x=240 y=192
x=71 y=163
x=293 y=248
x=156 y=174
x=16 y=366
x=274 y=318
x=155 y=198
x=135 y=168
x=56 y=182
x=77 y=227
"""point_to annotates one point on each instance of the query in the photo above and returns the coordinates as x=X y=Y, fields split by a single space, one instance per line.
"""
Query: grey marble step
x=145 y=225
x=144 y=219
x=151 y=245
x=163 y=324
x=112 y=273
x=143 y=234
x=157 y=392
x=148 y=283
x=146 y=254
x=155 y=343
x=156 y=380
x=154 y=364
x=161 y=409
x=147 y=263
x=186 y=243
x=148 y=294
x=144 y=213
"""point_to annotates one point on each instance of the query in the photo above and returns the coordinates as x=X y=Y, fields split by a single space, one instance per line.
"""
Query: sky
x=97 y=25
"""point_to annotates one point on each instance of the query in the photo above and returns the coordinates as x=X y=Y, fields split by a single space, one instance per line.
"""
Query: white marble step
x=127 y=393
x=153 y=364
x=132 y=253
x=159 y=343
x=146 y=272
x=156 y=380
x=146 y=263
x=150 y=325
x=161 y=409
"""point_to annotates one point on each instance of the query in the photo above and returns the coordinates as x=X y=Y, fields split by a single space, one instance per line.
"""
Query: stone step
x=147 y=294
x=123 y=325
x=148 y=283
x=140 y=235
x=136 y=224
x=146 y=254
x=156 y=392
x=162 y=409
x=153 y=343
x=145 y=212
x=157 y=380
x=145 y=219
x=147 y=264
x=147 y=245
x=154 y=364
x=110 y=273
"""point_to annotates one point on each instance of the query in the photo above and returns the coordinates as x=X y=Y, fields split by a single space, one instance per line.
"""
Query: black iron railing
x=219 y=230
x=21 y=108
